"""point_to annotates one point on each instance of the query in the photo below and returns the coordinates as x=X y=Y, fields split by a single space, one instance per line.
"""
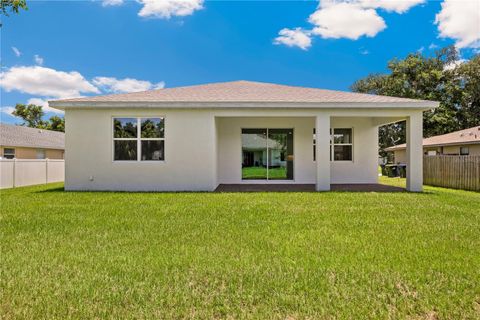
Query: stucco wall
x=195 y=160
x=31 y=153
x=363 y=168
x=190 y=156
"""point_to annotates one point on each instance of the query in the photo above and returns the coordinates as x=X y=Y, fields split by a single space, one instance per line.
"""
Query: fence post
x=46 y=171
x=13 y=174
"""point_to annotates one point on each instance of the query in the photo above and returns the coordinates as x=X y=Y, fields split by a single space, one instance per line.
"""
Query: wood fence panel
x=457 y=172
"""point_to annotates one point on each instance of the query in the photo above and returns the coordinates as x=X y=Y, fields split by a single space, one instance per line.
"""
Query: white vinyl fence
x=27 y=172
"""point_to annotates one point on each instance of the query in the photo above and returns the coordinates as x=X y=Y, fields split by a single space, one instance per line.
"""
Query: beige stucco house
x=463 y=142
x=21 y=142
x=199 y=137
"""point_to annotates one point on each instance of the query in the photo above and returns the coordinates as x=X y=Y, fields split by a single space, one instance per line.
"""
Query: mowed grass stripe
x=239 y=255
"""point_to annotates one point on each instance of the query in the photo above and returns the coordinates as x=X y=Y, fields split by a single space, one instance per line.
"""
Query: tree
x=440 y=78
x=31 y=114
x=56 y=123
x=12 y=6
x=32 y=117
x=468 y=92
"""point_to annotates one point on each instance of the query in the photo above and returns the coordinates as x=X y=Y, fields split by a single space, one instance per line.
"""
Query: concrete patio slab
x=305 y=188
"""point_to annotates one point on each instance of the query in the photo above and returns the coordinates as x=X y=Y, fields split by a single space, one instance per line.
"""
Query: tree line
x=442 y=77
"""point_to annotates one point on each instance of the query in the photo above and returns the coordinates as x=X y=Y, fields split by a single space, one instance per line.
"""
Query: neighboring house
x=30 y=143
x=195 y=138
x=464 y=142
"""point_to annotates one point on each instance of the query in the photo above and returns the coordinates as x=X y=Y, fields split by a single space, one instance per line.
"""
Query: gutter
x=64 y=105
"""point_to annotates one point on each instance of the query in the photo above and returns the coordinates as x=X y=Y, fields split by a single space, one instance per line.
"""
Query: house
x=463 y=142
x=198 y=137
x=30 y=143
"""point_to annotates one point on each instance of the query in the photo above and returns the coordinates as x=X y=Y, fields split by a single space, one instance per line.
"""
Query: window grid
x=138 y=139
x=333 y=144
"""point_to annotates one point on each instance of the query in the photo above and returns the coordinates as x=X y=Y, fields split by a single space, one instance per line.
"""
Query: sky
x=63 y=49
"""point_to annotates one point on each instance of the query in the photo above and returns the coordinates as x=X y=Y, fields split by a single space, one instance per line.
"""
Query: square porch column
x=415 y=152
x=322 y=156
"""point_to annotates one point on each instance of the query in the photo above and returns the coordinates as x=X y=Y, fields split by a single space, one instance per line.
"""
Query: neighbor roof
x=466 y=136
x=19 y=136
x=236 y=91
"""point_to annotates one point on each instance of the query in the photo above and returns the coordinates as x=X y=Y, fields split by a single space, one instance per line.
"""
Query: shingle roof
x=240 y=91
x=466 y=136
x=19 y=136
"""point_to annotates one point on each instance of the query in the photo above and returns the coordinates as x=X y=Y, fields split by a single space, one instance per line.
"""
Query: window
x=267 y=154
x=139 y=139
x=40 y=153
x=464 y=151
x=9 y=153
x=341 y=144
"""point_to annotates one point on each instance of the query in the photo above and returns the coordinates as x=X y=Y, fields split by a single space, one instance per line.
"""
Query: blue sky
x=59 y=49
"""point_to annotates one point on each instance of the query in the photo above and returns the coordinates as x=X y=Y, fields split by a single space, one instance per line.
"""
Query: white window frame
x=9 y=154
x=139 y=139
x=333 y=144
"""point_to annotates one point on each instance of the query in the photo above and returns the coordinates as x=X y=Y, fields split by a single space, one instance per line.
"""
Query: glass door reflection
x=267 y=154
x=254 y=154
x=280 y=154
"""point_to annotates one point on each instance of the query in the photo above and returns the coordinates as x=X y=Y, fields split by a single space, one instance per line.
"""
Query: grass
x=239 y=255
x=261 y=173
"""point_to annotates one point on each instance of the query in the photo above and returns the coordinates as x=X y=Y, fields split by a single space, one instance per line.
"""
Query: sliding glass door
x=267 y=154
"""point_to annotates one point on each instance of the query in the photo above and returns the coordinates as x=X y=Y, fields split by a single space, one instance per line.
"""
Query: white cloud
x=432 y=46
x=452 y=65
x=115 y=85
x=294 y=38
x=36 y=80
x=398 y=6
x=165 y=9
x=44 y=104
x=50 y=84
x=346 y=20
x=7 y=110
x=349 y=19
x=364 y=52
x=460 y=20
x=38 y=59
x=16 y=51
x=110 y=3
x=421 y=49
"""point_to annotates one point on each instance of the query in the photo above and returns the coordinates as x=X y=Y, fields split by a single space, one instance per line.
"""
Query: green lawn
x=261 y=173
x=252 y=255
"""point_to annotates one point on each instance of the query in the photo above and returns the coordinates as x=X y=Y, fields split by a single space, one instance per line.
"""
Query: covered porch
x=323 y=151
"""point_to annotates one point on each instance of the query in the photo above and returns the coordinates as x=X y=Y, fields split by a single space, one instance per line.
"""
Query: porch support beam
x=415 y=152
x=322 y=156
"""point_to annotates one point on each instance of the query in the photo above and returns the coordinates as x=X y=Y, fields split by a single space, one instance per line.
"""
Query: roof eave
x=63 y=105
x=38 y=146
